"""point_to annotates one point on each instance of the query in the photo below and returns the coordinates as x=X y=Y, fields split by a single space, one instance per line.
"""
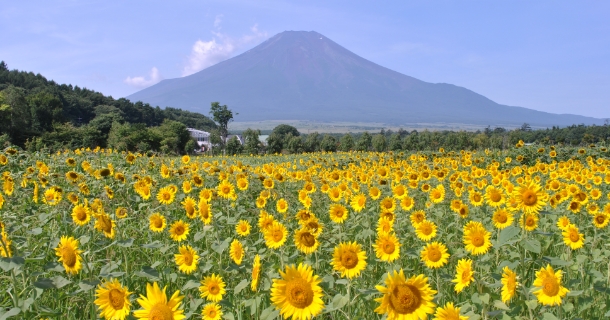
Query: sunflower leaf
x=10 y=313
x=506 y=234
x=240 y=286
x=532 y=245
x=190 y=285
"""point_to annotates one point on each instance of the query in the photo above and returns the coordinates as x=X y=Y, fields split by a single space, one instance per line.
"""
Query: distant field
x=344 y=127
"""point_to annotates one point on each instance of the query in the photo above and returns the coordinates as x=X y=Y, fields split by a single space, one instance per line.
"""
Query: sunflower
x=435 y=255
x=306 y=241
x=157 y=222
x=475 y=198
x=51 y=196
x=374 y=193
x=509 y=284
x=437 y=195
x=338 y=213
x=574 y=206
x=407 y=203
x=212 y=288
x=211 y=311
x=72 y=176
x=548 y=287
x=206 y=195
x=165 y=196
x=179 y=230
x=5 y=244
x=405 y=298
x=448 y=312
x=387 y=247
x=463 y=275
x=106 y=225
x=572 y=238
x=155 y=304
x=426 y=230
x=349 y=259
x=112 y=300
x=529 y=221
x=385 y=225
x=121 y=212
x=417 y=217
x=187 y=259
x=189 y=207
x=242 y=184
x=399 y=191
x=243 y=228
x=388 y=204
x=563 y=222
x=187 y=187
x=81 y=215
x=69 y=255
x=463 y=211
x=265 y=221
x=237 y=251
x=358 y=202
x=477 y=240
x=600 y=220
x=530 y=197
x=313 y=225
x=275 y=236
x=226 y=190
x=256 y=271
x=205 y=212
x=502 y=218
x=109 y=192
x=297 y=294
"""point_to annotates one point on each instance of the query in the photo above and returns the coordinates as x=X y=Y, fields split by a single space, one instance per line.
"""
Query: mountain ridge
x=307 y=76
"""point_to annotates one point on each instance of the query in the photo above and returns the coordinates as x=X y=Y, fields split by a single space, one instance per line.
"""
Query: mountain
x=298 y=75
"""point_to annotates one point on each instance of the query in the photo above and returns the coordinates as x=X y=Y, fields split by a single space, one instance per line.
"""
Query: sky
x=550 y=56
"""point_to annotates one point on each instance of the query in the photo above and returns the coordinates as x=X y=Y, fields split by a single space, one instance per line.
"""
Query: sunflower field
x=99 y=234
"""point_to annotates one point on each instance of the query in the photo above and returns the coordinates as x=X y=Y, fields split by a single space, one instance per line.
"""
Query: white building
x=202 y=137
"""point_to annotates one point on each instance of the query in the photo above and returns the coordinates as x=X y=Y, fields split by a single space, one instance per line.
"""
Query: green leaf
x=575 y=293
x=190 y=285
x=125 y=243
x=240 y=286
x=549 y=316
x=506 y=234
x=342 y=281
x=199 y=235
x=339 y=301
x=269 y=313
x=87 y=285
x=228 y=316
x=532 y=304
x=35 y=231
x=532 y=245
x=10 y=313
x=60 y=282
x=484 y=298
x=153 y=245
x=44 y=283
x=149 y=272
x=500 y=305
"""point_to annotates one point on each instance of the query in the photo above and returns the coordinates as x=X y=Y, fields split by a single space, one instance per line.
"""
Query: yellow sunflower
x=374 y=193
x=435 y=255
x=265 y=221
x=349 y=259
x=155 y=304
x=477 y=240
x=112 y=300
x=281 y=205
x=385 y=225
x=276 y=235
x=502 y=218
x=69 y=255
x=237 y=251
x=388 y=204
x=243 y=228
x=189 y=207
x=563 y=222
x=187 y=187
x=426 y=230
x=530 y=197
x=463 y=275
x=338 y=213
x=205 y=212
x=179 y=230
x=448 y=312
x=417 y=217
x=166 y=196
x=475 y=198
x=81 y=215
x=405 y=298
x=187 y=259
x=494 y=196
x=407 y=203
x=121 y=212
x=572 y=237
x=358 y=202
x=529 y=221
x=211 y=311
x=548 y=287
x=437 y=195
x=297 y=294
x=256 y=272
x=226 y=190
x=306 y=241
x=387 y=247
x=157 y=222
x=600 y=220
x=509 y=284
x=106 y=225
x=212 y=288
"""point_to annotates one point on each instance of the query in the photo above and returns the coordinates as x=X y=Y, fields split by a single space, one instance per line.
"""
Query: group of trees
x=36 y=113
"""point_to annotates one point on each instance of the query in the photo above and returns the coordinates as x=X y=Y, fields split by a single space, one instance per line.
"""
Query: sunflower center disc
x=308 y=239
x=117 y=299
x=434 y=255
x=477 y=240
x=106 y=225
x=600 y=219
x=388 y=247
x=81 y=215
x=496 y=196
x=574 y=237
x=501 y=218
x=214 y=289
x=405 y=299
x=69 y=257
x=277 y=235
x=160 y=311
x=179 y=230
x=167 y=196
x=349 y=259
x=299 y=293
x=529 y=198
x=550 y=287
x=465 y=275
x=426 y=230
x=188 y=258
x=158 y=223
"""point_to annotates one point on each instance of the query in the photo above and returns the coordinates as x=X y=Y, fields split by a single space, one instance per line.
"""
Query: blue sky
x=546 y=55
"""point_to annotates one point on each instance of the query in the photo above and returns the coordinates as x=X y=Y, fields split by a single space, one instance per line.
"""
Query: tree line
x=36 y=113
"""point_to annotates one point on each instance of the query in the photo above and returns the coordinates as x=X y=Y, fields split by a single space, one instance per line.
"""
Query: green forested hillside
x=37 y=113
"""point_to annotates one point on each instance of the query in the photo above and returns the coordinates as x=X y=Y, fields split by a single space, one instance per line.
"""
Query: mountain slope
x=299 y=75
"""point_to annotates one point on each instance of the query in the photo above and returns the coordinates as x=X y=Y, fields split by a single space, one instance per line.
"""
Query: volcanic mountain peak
x=302 y=75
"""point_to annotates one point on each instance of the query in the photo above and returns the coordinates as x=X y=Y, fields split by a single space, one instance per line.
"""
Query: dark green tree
x=234 y=146
x=364 y=143
x=222 y=116
x=328 y=143
x=346 y=143
x=379 y=143
x=252 y=144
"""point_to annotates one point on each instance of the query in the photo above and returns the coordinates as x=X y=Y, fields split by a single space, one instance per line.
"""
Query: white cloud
x=141 y=82
x=208 y=53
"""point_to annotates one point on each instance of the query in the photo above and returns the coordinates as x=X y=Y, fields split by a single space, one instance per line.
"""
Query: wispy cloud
x=142 y=82
x=208 y=53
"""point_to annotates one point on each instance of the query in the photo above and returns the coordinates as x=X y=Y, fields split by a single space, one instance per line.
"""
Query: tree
x=395 y=142
x=284 y=129
x=312 y=142
x=222 y=116
x=252 y=144
x=274 y=143
x=346 y=143
x=379 y=143
x=364 y=143
x=328 y=143
x=234 y=146
x=294 y=144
